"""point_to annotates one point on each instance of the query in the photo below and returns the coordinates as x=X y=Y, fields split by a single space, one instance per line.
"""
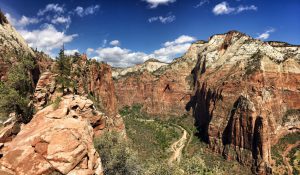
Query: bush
x=117 y=156
x=56 y=102
x=3 y=19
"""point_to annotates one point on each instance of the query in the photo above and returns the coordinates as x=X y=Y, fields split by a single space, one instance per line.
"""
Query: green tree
x=15 y=93
x=63 y=70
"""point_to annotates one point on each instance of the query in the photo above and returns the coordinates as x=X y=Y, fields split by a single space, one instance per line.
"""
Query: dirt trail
x=178 y=146
x=286 y=159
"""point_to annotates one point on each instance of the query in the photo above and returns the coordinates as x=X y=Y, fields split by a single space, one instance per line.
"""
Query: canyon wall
x=163 y=90
x=241 y=91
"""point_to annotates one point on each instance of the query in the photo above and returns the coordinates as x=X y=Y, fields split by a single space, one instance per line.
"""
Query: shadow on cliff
x=203 y=102
x=244 y=132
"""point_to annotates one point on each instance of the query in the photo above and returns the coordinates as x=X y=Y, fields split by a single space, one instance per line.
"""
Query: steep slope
x=12 y=46
x=242 y=93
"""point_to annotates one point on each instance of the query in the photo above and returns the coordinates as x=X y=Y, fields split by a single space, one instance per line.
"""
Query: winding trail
x=286 y=159
x=178 y=146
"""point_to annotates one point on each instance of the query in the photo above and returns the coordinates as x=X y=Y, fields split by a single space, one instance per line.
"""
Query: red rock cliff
x=240 y=91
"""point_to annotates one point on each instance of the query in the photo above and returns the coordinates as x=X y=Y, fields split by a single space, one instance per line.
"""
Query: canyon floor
x=172 y=141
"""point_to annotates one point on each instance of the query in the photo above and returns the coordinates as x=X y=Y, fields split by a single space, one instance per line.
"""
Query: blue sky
x=127 y=32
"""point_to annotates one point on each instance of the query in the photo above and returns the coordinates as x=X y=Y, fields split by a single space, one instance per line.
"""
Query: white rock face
x=242 y=49
x=150 y=66
x=11 y=39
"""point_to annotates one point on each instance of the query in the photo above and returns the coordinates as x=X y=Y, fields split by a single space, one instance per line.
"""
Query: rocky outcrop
x=48 y=92
x=59 y=138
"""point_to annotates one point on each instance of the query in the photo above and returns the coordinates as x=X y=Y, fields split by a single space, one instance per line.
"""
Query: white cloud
x=122 y=57
x=155 y=3
x=180 y=40
x=80 y=11
x=164 y=20
x=115 y=43
x=224 y=8
x=167 y=54
x=51 y=8
x=89 y=51
x=61 y=20
x=266 y=34
x=104 y=42
x=71 y=52
x=201 y=3
x=245 y=8
x=23 y=22
x=47 y=38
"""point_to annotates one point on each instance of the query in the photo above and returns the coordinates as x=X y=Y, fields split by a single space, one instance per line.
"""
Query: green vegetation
x=117 y=156
x=280 y=147
x=152 y=139
x=291 y=112
x=147 y=148
x=294 y=156
x=56 y=102
x=253 y=63
x=3 y=18
x=63 y=70
x=16 y=91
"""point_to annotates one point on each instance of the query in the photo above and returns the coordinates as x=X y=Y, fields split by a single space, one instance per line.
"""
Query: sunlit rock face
x=240 y=91
x=59 y=138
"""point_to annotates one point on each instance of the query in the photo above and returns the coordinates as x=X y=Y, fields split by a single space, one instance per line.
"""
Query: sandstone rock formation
x=47 y=92
x=150 y=65
x=240 y=90
x=58 y=139
x=164 y=91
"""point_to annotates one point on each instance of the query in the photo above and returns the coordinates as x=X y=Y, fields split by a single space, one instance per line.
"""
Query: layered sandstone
x=164 y=91
x=240 y=90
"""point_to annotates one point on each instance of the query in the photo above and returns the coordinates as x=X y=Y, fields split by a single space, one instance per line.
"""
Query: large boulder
x=59 y=139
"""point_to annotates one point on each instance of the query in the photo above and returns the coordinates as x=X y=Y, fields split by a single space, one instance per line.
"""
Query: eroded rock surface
x=58 y=139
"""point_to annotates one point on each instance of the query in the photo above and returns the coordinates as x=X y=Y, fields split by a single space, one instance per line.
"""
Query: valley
x=228 y=105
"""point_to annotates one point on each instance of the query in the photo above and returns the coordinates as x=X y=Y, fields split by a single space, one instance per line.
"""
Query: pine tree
x=63 y=69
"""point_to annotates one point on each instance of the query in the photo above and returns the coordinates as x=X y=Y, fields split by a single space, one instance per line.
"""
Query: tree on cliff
x=3 y=19
x=63 y=70
x=16 y=91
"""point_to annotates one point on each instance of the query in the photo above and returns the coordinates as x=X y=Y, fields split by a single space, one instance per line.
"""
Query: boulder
x=56 y=140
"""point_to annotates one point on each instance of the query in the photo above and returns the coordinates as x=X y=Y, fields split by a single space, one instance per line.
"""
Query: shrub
x=3 y=19
x=56 y=102
x=116 y=155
